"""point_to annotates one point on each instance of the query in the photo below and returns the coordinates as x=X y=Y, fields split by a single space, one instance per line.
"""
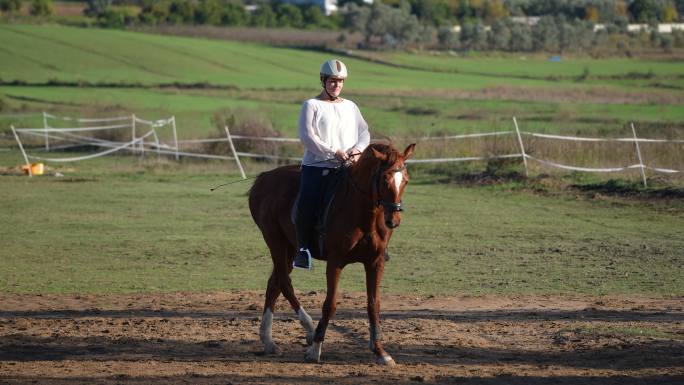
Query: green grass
x=115 y=225
x=537 y=65
x=41 y=53
x=271 y=82
x=656 y=332
x=392 y=115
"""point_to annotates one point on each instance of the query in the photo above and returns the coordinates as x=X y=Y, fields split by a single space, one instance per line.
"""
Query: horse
x=365 y=210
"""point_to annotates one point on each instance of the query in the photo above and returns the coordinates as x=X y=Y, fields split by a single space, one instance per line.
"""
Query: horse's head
x=389 y=178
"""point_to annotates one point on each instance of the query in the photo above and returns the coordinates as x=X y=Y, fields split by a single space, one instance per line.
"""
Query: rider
x=333 y=132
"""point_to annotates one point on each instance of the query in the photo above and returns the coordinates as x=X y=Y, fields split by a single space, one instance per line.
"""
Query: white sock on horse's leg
x=266 y=334
x=307 y=323
x=313 y=353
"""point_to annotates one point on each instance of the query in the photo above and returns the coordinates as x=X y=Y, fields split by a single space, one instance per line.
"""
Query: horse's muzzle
x=391 y=224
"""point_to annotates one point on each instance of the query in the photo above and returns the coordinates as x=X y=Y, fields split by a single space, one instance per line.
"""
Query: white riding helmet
x=334 y=68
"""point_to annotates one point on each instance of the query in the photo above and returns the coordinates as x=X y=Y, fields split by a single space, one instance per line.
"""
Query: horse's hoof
x=313 y=353
x=271 y=348
x=313 y=360
x=386 y=361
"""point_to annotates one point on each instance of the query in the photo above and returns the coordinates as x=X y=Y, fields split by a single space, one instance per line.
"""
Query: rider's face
x=334 y=86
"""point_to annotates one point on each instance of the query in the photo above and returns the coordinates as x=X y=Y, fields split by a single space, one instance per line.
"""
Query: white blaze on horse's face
x=398 y=178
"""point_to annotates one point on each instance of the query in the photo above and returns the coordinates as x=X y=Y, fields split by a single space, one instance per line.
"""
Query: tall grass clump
x=248 y=123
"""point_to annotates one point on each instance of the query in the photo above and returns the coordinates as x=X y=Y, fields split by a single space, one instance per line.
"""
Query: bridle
x=386 y=205
x=391 y=206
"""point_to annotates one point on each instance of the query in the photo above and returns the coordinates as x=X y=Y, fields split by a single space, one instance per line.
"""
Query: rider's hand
x=354 y=156
x=341 y=155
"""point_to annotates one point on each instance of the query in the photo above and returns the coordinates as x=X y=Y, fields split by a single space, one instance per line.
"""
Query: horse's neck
x=362 y=192
x=362 y=178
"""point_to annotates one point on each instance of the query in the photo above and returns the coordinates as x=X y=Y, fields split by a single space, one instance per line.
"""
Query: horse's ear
x=409 y=150
x=379 y=155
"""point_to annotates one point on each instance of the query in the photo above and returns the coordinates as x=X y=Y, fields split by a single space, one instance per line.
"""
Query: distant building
x=528 y=20
x=662 y=28
x=328 y=6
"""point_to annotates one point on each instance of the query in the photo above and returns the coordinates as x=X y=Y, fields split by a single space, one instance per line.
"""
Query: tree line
x=559 y=25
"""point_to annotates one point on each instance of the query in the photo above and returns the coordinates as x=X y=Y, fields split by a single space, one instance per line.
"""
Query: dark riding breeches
x=314 y=183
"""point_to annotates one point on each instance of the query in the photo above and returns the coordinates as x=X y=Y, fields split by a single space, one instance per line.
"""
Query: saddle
x=323 y=209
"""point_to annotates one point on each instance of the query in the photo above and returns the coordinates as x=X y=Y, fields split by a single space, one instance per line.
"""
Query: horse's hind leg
x=282 y=254
x=265 y=330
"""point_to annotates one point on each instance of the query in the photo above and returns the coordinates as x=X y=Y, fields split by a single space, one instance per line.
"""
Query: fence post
x=30 y=173
x=156 y=141
x=133 y=131
x=45 y=127
x=175 y=135
x=641 y=162
x=522 y=148
x=235 y=154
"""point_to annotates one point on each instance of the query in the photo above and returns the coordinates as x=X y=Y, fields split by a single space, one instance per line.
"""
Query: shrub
x=41 y=8
x=116 y=18
x=208 y=12
x=96 y=7
x=247 y=123
x=264 y=17
x=289 y=15
x=10 y=6
x=181 y=11
x=234 y=14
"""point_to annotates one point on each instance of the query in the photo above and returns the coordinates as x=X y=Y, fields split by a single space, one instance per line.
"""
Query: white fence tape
x=88 y=120
x=67 y=134
x=581 y=139
x=587 y=169
x=465 y=136
x=191 y=141
x=91 y=156
x=73 y=129
x=466 y=159
x=664 y=170
x=155 y=123
x=265 y=138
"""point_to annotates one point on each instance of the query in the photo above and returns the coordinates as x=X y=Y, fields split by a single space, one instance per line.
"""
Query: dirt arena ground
x=213 y=339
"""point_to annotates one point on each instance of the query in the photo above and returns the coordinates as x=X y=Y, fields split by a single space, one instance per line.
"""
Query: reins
x=393 y=206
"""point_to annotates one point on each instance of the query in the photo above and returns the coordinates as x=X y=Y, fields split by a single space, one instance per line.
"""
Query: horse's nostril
x=390 y=224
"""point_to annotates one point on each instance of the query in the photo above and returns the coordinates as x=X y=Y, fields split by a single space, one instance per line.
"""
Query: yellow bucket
x=36 y=168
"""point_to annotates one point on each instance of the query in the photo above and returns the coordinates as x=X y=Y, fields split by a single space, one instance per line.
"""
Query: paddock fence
x=132 y=134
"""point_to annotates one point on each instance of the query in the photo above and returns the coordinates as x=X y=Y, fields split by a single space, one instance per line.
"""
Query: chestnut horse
x=364 y=212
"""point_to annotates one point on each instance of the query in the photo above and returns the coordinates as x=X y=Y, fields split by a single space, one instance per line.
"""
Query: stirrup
x=303 y=260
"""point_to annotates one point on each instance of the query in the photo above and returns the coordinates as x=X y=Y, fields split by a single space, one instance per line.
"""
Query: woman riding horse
x=366 y=210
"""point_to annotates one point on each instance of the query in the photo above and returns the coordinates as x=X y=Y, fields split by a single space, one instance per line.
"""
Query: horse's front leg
x=332 y=274
x=373 y=277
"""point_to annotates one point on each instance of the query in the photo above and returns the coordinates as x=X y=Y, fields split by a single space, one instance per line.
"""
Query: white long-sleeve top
x=325 y=127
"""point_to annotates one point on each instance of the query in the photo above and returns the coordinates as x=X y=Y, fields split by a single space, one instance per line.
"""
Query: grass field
x=118 y=226
x=81 y=71
x=122 y=225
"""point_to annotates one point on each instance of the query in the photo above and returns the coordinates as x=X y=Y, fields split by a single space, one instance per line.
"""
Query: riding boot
x=303 y=258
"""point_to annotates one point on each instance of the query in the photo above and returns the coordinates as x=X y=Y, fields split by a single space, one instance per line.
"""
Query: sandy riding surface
x=212 y=338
